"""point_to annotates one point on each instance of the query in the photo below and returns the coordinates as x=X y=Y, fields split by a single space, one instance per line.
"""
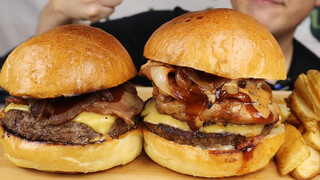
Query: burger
x=71 y=108
x=212 y=113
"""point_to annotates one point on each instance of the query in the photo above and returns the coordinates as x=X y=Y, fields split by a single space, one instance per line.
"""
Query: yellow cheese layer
x=13 y=106
x=151 y=115
x=99 y=123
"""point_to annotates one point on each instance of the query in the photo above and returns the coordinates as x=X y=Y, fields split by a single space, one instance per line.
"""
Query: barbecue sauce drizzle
x=196 y=102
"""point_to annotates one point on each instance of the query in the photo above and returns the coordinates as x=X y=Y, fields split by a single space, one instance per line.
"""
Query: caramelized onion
x=198 y=80
x=231 y=87
x=40 y=108
x=197 y=92
x=159 y=75
x=62 y=115
x=181 y=79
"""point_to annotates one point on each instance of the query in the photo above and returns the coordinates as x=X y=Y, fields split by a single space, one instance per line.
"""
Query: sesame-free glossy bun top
x=68 y=60
x=222 y=42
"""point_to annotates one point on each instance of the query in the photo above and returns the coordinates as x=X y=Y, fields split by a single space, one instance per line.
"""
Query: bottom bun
x=72 y=158
x=212 y=163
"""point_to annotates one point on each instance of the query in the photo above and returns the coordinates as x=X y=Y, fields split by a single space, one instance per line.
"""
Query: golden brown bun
x=223 y=42
x=210 y=163
x=72 y=158
x=68 y=60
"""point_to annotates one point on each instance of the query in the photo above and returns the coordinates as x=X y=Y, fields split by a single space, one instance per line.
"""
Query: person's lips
x=270 y=2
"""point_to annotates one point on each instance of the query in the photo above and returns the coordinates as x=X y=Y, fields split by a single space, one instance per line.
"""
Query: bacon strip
x=128 y=106
x=121 y=101
x=16 y=100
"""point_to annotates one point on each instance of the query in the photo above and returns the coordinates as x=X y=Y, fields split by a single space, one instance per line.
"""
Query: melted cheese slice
x=243 y=130
x=99 y=123
x=151 y=115
x=13 y=106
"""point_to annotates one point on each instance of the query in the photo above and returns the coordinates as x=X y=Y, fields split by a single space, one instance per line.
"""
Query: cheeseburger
x=212 y=114
x=72 y=109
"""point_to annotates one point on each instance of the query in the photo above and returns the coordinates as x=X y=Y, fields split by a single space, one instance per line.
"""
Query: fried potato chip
x=292 y=152
x=309 y=168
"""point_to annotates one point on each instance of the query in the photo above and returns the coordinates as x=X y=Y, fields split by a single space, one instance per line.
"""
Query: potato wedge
x=314 y=78
x=313 y=138
x=284 y=112
x=302 y=111
x=309 y=168
x=306 y=89
x=292 y=152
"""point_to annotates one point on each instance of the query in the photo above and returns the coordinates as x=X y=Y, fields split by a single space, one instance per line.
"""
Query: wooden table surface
x=141 y=168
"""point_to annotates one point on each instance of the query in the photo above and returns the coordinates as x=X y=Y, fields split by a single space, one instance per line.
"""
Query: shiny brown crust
x=222 y=42
x=196 y=161
x=72 y=158
x=68 y=60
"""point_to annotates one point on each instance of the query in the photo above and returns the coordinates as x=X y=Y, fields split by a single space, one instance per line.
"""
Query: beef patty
x=206 y=140
x=24 y=125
